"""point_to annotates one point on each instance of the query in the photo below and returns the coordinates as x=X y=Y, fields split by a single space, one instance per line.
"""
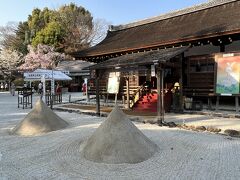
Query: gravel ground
x=182 y=155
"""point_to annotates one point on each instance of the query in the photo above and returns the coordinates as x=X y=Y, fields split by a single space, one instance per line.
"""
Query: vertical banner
x=228 y=69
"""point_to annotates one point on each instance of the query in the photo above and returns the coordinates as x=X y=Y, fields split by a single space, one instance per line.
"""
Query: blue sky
x=113 y=11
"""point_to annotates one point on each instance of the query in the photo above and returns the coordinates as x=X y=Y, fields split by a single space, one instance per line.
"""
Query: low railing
x=140 y=92
x=54 y=99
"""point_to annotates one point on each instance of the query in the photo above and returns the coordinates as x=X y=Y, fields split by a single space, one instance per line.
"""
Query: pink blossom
x=41 y=57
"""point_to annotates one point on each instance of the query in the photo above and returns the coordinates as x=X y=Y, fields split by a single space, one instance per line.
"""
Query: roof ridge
x=171 y=14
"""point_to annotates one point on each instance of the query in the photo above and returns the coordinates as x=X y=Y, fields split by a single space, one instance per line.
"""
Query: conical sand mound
x=118 y=140
x=40 y=120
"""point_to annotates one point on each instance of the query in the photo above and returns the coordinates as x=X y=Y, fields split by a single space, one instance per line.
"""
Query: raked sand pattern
x=56 y=155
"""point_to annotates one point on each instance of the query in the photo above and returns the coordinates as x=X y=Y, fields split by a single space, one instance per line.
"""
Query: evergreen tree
x=69 y=28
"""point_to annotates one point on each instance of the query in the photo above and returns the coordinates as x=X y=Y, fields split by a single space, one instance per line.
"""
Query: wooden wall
x=103 y=81
x=199 y=75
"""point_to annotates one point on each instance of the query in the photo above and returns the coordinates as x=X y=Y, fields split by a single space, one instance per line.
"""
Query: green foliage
x=39 y=19
x=33 y=20
x=19 y=43
x=68 y=29
x=52 y=35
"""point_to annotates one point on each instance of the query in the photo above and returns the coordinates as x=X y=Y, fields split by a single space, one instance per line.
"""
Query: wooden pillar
x=87 y=94
x=162 y=94
x=237 y=104
x=31 y=99
x=217 y=103
x=209 y=103
x=18 y=99
x=88 y=98
x=97 y=94
x=116 y=98
x=181 y=83
x=128 y=99
x=159 y=97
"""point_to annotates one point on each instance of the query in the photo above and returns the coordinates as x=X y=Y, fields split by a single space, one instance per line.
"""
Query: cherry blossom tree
x=9 y=60
x=43 y=56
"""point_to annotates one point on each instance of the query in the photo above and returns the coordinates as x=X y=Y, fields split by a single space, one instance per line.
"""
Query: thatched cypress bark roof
x=142 y=58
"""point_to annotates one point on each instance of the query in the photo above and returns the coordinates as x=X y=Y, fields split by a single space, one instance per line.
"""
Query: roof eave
x=163 y=44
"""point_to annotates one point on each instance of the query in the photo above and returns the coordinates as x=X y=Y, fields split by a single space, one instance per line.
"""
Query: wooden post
x=23 y=99
x=159 y=98
x=116 y=99
x=123 y=100
x=128 y=99
x=217 y=103
x=181 y=82
x=162 y=95
x=51 y=101
x=31 y=98
x=106 y=98
x=237 y=104
x=87 y=94
x=88 y=97
x=18 y=98
x=209 y=103
x=97 y=94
